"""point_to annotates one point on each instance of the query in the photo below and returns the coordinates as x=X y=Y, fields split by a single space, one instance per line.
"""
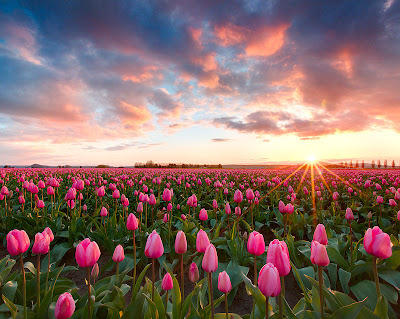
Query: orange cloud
x=230 y=34
x=133 y=115
x=266 y=41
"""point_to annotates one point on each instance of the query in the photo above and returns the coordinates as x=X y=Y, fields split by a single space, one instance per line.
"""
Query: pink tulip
x=103 y=212
x=392 y=202
x=377 y=243
x=398 y=215
x=215 y=204
x=132 y=222
x=379 y=200
x=139 y=208
x=256 y=244
x=167 y=283
x=203 y=216
x=210 y=259
x=227 y=209
x=238 y=197
x=41 y=245
x=65 y=306
x=180 y=243
x=320 y=234
x=166 y=218
x=40 y=204
x=238 y=211
x=278 y=255
x=152 y=200
x=282 y=207
x=169 y=207
x=17 y=242
x=193 y=272
x=167 y=196
x=50 y=190
x=319 y=256
x=87 y=253
x=84 y=207
x=4 y=191
x=49 y=233
x=268 y=281
x=118 y=254
x=183 y=216
x=154 y=247
x=349 y=214
x=249 y=194
x=202 y=241
x=224 y=282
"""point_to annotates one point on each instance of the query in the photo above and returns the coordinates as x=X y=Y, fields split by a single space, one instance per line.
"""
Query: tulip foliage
x=175 y=243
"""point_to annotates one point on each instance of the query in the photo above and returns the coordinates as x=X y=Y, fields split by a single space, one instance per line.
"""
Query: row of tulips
x=270 y=279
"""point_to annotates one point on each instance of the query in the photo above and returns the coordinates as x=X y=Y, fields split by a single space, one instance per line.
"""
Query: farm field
x=305 y=242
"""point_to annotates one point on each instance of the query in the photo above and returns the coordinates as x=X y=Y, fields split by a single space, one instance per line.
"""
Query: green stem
x=255 y=270
x=154 y=278
x=166 y=302
x=266 y=308
x=23 y=285
x=182 y=282
x=226 y=305
x=38 y=281
x=281 y=295
x=117 y=268
x=134 y=259
x=89 y=290
x=321 y=292
x=378 y=288
x=210 y=290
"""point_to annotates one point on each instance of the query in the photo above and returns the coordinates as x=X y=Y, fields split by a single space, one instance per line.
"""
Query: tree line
x=374 y=164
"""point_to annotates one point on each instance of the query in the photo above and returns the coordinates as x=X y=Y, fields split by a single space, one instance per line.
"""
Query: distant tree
x=362 y=164
x=385 y=164
x=341 y=164
x=345 y=164
x=379 y=164
x=393 y=164
x=149 y=164
x=351 y=164
x=357 y=164
x=373 y=164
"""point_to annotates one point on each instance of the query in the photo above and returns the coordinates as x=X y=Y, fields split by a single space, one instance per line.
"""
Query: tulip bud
x=224 y=282
x=180 y=243
x=193 y=273
x=268 y=281
x=167 y=282
x=118 y=255
x=320 y=234
x=65 y=306
x=95 y=271
x=319 y=256
x=154 y=247
x=210 y=259
x=202 y=241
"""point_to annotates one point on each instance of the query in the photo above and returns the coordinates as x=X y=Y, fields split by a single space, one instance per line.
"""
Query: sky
x=230 y=82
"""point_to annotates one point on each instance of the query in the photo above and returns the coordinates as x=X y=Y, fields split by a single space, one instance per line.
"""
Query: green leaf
x=393 y=262
x=230 y=316
x=344 y=277
x=9 y=290
x=335 y=257
x=381 y=308
x=367 y=288
x=138 y=282
x=257 y=295
x=11 y=306
x=390 y=276
x=348 y=312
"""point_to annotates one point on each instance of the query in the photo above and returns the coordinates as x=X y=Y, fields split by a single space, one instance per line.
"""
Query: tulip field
x=305 y=242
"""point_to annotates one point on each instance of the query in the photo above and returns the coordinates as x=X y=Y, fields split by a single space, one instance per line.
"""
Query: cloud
x=219 y=140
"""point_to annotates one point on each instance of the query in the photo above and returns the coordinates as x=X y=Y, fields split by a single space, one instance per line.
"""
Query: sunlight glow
x=312 y=158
